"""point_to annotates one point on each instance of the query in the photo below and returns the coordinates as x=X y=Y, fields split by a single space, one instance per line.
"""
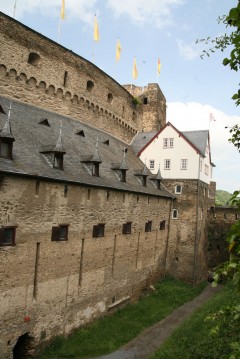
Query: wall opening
x=34 y=59
x=90 y=85
x=24 y=347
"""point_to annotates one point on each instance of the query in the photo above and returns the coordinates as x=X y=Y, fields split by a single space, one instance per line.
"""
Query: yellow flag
x=95 y=30
x=63 y=10
x=158 y=66
x=118 y=50
x=134 y=71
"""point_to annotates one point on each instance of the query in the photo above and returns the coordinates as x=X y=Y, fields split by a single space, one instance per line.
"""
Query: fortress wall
x=61 y=81
x=61 y=285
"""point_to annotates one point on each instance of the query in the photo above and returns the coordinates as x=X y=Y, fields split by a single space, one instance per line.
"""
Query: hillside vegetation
x=222 y=198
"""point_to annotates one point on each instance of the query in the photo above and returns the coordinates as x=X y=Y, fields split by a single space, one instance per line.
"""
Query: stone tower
x=153 y=105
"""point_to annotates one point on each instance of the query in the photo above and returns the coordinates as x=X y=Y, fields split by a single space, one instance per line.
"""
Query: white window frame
x=184 y=164
x=165 y=143
x=171 y=142
x=151 y=164
x=174 y=213
x=167 y=164
x=176 y=187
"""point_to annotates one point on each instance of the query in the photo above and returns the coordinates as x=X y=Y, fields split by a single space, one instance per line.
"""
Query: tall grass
x=194 y=338
x=109 y=333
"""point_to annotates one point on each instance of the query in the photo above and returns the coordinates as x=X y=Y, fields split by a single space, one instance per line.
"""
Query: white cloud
x=74 y=9
x=156 y=12
x=195 y=116
x=189 y=51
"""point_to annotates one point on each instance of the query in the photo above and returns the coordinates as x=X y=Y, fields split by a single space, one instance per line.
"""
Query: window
x=206 y=170
x=34 y=59
x=165 y=143
x=167 y=164
x=151 y=164
x=98 y=230
x=7 y=236
x=123 y=175
x=95 y=169
x=110 y=97
x=60 y=233
x=90 y=85
x=127 y=228
x=148 y=226
x=58 y=161
x=162 y=225
x=175 y=214
x=183 y=164
x=6 y=148
x=178 y=189
x=168 y=142
x=145 y=101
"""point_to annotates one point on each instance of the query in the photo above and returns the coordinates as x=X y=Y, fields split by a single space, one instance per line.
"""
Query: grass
x=109 y=333
x=193 y=339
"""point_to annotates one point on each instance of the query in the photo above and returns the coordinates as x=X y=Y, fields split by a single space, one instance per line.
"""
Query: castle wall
x=49 y=287
x=187 y=252
x=153 y=106
x=220 y=220
x=61 y=81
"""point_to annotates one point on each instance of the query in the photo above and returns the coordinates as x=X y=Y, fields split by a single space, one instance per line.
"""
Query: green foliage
x=222 y=198
x=136 y=101
x=109 y=333
x=206 y=335
x=223 y=42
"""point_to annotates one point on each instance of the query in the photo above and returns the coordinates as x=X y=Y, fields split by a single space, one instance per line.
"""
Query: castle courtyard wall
x=48 y=288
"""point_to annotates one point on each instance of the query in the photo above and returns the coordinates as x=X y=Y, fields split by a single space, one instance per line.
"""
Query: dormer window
x=6 y=146
x=123 y=175
x=6 y=138
x=142 y=177
x=95 y=169
x=58 y=161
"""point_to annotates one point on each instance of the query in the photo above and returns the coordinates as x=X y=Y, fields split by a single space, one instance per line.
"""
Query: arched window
x=90 y=85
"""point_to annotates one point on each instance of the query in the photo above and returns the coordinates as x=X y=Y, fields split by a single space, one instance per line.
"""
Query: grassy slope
x=193 y=339
x=109 y=333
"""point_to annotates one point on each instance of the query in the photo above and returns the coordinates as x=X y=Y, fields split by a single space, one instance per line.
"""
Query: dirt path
x=146 y=343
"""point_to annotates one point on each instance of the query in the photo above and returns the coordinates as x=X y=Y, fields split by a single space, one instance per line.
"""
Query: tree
x=223 y=42
x=230 y=270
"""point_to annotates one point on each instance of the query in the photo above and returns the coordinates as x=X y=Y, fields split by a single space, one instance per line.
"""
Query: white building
x=181 y=155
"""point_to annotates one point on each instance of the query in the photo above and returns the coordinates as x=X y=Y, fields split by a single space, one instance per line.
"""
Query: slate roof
x=141 y=139
x=198 y=139
x=31 y=136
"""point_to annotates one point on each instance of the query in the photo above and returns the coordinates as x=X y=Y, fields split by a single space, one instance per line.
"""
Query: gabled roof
x=141 y=139
x=31 y=137
x=196 y=139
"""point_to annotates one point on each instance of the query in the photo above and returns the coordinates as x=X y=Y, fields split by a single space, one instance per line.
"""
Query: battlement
x=41 y=72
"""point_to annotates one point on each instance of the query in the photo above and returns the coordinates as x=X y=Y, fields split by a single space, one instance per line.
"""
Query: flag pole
x=14 y=9
x=59 y=29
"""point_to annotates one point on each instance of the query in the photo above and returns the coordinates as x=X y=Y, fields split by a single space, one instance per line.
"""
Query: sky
x=150 y=29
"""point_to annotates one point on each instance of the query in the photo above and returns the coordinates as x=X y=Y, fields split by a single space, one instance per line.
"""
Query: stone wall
x=153 y=106
x=188 y=246
x=219 y=222
x=38 y=71
x=51 y=287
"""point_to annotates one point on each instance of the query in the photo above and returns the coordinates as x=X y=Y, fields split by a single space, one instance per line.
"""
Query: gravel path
x=146 y=343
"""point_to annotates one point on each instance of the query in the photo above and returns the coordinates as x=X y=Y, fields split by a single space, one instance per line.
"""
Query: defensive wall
x=48 y=288
x=220 y=220
x=38 y=71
